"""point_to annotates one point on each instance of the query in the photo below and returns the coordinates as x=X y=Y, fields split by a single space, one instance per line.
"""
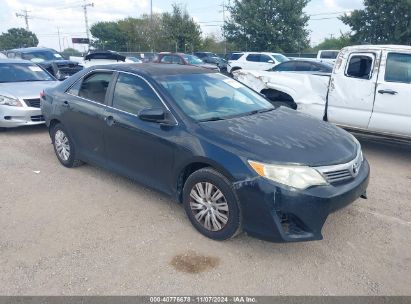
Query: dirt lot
x=87 y=231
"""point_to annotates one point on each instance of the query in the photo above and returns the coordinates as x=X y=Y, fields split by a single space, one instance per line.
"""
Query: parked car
x=101 y=58
x=49 y=59
x=2 y=56
x=212 y=58
x=327 y=56
x=21 y=83
x=133 y=59
x=233 y=160
x=184 y=59
x=369 y=90
x=254 y=61
x=303 y=66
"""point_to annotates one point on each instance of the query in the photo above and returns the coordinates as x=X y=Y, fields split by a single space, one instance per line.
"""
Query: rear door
x=392 y=109
x=351 y=90
x=83 y=114
x=139 y=149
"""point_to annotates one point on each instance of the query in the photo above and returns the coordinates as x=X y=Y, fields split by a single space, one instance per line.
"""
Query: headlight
x=7 y=101
x=299 y=177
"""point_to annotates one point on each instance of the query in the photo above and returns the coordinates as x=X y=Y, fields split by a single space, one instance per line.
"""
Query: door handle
x=392 y=92
x=110 y=120
x=66 y=104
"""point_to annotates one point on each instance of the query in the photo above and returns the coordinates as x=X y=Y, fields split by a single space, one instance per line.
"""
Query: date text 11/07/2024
x=222 y=299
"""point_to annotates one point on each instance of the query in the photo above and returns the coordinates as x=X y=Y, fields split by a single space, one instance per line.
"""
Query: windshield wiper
x=215 y=118
x=258 y=111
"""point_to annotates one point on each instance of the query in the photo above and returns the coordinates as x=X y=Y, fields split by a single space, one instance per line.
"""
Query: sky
x=48 y=17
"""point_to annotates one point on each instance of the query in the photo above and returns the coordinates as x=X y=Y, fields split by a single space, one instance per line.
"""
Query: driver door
x=140 y=149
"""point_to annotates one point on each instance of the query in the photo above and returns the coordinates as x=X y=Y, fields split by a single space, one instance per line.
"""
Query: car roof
x=15 y=61
x=33 y=49
x=155 y=69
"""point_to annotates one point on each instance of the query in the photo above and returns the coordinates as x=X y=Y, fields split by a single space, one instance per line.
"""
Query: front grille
x=37 y=118
x=34 y=103
x=342 y=172
x=338 y=176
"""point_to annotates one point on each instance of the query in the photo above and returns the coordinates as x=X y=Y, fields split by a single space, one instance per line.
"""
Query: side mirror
x=157 y=115
x=270 y=61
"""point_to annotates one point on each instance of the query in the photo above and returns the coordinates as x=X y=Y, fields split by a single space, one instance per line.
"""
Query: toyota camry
x=235 y=161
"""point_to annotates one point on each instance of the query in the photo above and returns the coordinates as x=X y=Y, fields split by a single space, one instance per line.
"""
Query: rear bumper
x=11 y=117
x=279 y=214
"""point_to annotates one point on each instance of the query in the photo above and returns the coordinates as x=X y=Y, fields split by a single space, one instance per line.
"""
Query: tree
x=335 y=43
x=109 y=36
x=181 y=29
x=268 y=25
x=381 y=21
x=17 y=38
x=71 y=52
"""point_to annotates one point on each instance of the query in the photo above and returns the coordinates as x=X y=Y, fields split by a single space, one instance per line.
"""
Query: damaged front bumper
x=281 y=214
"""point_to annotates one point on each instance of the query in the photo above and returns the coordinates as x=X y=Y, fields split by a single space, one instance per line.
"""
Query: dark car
x=184 y=59
x=303 y=66
x=212 y=58
x=233 y=160
x=49 y=59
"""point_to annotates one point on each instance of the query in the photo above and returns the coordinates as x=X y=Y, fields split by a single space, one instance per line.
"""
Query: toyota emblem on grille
x=354 y=169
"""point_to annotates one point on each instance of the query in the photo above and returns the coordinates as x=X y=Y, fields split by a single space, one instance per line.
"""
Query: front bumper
x=11 y=117
x=280 y=214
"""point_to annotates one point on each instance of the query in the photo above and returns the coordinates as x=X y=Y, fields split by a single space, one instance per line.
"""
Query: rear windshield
x=235 y=56
x=21 y=72
x=41 y=56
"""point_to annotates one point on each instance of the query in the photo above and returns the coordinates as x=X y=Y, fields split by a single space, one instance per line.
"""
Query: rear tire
x=64 y=147
x=212 y=205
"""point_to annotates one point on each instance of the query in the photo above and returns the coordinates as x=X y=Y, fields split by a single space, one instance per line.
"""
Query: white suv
x=254 y=61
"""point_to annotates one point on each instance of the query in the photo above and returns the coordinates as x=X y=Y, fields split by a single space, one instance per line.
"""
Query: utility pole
x=58 y=33
x=25 y=15
x=85 y=5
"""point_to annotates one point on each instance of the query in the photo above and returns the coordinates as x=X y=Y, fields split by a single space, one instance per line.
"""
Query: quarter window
x=360 y=66
x=398 y=68
x=94 y=87
x=132 y=94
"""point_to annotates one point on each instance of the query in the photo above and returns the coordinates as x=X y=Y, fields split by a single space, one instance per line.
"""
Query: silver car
x=21 y=83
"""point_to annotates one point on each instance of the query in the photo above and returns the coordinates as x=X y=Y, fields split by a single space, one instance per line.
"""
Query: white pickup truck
x=368 y=91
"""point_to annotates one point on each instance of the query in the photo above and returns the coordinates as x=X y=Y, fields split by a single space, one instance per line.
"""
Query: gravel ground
x=86 y=231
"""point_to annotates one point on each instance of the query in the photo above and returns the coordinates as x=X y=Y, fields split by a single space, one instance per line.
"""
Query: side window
x=94 y=87
x=177 y=60
x=132 y=94
x=11 y=55
x=166 y=59
x=265 y=58
x=286 y=66
x=398 y=68
x=235 y=56
x=253 y=57
x=360 y=66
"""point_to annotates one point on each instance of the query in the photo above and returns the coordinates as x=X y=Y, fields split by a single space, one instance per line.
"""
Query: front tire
x=212 y=205
x=64 y=147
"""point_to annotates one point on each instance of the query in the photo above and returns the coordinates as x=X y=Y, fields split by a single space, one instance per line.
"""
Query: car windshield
x=193 y=59
x=20 y=72
x=41 y=56
x=206 y=97
x=280 y=58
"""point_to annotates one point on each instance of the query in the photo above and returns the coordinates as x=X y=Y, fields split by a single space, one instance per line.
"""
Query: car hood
x=59 y=63
x=208 y=66
x=282 y=136
x=25 y=90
